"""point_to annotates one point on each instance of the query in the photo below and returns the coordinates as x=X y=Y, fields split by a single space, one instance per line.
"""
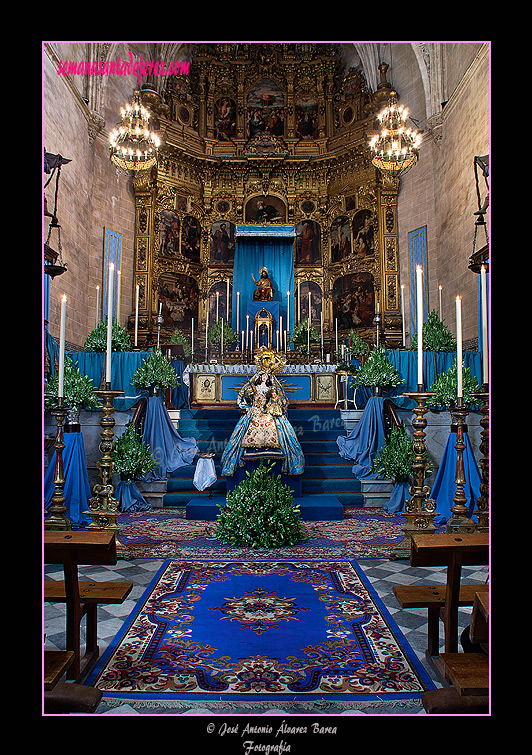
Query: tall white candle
x=207 y=305
x=237 y=311
x=242 y=340
x=137 y=315
x=247 y=332
x=222 y=339
x=309 y=308
x=336 y=328
x=118 y=290
x=192 y=346
x=217 y=304
x=321 y=325
x=60 y=388
x=403 y=313
x=277 y=331
x=227 y=303
x=459 y=376
x=285 y=341
x=281 y=330
x=288 y=312
x=308 y=334
x=419 y=292
x=484 y=311
x=439 y=292
x=97 y=318
x=110 y=285
x=298 y=303
x=251 y=340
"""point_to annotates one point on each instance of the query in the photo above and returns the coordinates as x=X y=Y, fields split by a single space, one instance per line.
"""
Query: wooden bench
x=452 y=551
x=71 y=548
x=65 y=698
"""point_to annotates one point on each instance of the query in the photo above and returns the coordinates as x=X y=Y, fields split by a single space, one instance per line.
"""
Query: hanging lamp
x=132 y=145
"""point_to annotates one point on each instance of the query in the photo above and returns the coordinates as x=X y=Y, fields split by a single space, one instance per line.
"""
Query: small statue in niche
x=264 y=290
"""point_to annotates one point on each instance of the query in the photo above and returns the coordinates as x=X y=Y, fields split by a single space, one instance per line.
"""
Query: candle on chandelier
x=110 y=284
x=137 y=315
x=459 y=375
x=484 y=310
x=419 y=293
x=60 y=388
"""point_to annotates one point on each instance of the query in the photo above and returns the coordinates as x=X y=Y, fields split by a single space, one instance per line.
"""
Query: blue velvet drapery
x=169 y=449
x=264 y=246
x=365 y=439
x=76 y=490
x=444 y=486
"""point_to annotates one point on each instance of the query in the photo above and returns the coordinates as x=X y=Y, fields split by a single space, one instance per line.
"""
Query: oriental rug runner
x=260 y=634
x=165 y=533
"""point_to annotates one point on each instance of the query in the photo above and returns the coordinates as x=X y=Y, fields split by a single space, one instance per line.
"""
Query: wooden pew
x=452 y=551
x=71 y=548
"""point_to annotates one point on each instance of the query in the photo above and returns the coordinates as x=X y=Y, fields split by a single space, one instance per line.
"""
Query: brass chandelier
x=132 y=145
x=395 y=149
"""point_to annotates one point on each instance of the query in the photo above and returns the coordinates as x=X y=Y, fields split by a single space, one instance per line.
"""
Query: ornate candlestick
x=460 y=521
x=482 y=510
x=58 y=519
x=103 y=507
x=420 y=510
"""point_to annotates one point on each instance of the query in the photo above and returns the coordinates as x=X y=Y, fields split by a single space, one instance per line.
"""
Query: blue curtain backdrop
x=264 y=246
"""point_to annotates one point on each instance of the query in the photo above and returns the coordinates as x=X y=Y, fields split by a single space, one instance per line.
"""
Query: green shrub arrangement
x=260 y=513
x=214 y=334
x=359 y=348
x=377 y=371
x=395 y=458
x=132 y=458
x=78 y=389
x=180 y=338
x=436 y=335
x=97 y=338
x=155 y=373
x=299 y=335
x=446 y=389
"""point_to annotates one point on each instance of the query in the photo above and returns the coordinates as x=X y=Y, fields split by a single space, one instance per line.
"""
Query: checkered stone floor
x=382 y=574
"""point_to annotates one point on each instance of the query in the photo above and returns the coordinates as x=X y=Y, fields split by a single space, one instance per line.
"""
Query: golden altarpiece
x=259 y=134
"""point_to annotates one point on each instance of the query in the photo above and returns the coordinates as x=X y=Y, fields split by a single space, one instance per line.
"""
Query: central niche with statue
x=276 y=144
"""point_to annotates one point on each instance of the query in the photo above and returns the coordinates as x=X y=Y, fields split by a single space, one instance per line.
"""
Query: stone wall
x=93 y=194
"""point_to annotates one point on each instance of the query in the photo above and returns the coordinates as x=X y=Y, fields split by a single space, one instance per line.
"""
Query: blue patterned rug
x=252 y=634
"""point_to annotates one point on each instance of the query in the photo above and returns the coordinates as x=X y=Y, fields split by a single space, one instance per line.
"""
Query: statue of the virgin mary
x=263 y=431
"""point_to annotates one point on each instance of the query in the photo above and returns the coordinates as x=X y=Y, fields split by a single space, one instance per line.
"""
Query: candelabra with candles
x=420 y=510
x=103 y=506
x=460 y=520
x=57 y=519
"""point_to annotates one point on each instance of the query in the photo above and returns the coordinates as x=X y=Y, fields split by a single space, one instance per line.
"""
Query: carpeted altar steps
x=326 y=482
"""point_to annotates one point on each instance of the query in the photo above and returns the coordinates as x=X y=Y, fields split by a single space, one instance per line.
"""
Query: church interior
x=266 y=405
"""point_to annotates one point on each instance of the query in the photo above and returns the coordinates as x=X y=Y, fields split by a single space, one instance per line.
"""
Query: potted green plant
x=436 y=335
x=260 y=512
x=180 y=338
x=377 y=372
x=78 y=393
x=132 y=460
x=445 y=389
x=155 y=374
x=214 y=334
x=394 y=461
x=97 y=338
x=300 y=336
x=359 y=348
